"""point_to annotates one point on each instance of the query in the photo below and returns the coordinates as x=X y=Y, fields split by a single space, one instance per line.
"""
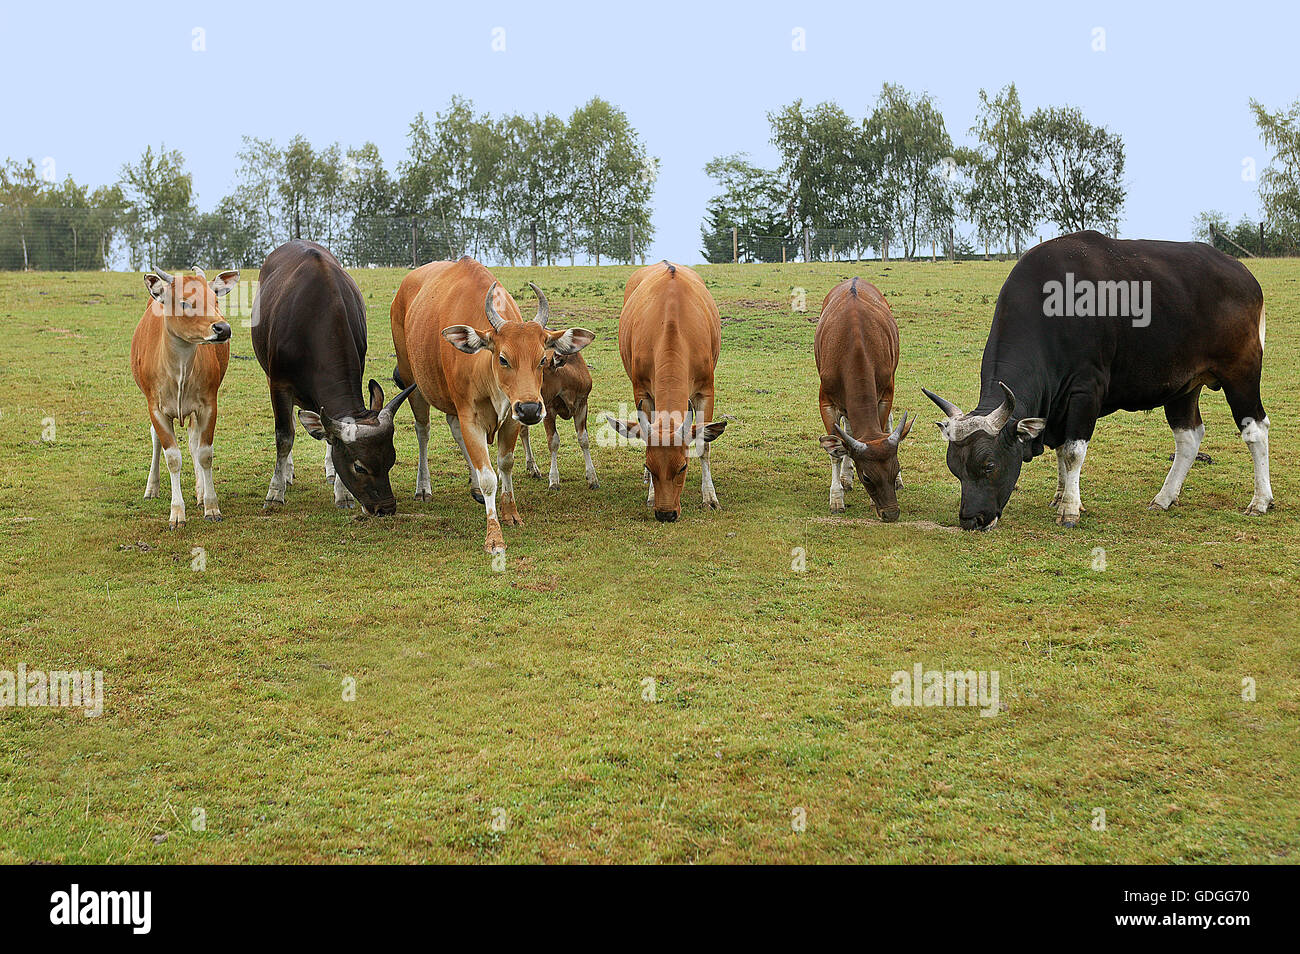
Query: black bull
x=1085 y=326
x=309 y=333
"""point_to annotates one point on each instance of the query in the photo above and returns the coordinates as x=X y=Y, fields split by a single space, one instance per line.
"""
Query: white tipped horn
x=493 y=318
x=543 y=306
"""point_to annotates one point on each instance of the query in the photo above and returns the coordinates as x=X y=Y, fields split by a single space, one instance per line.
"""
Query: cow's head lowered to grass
x=362 y=449
x=669 y=437
x=519 y=352
x=876 y=462
x=985 y=453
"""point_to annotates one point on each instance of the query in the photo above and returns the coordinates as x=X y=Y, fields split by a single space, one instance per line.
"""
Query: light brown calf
x=566 y=386
x=179 y=355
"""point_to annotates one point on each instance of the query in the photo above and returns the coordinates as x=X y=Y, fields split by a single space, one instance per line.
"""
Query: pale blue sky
x=90 y=84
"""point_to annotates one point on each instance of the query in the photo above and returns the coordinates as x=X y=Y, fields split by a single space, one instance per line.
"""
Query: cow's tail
x=397 y=378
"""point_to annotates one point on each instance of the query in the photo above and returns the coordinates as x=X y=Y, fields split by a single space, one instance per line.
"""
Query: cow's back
x=668 y=307
x=856 y=335
x=431 y=298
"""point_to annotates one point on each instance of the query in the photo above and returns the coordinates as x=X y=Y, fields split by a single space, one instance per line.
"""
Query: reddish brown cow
x=856 y=347
x=179 y=354
x=566 y=386
x=669 y=336
x=487 y=380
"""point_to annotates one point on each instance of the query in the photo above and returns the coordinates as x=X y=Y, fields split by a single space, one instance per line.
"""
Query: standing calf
x=180 y=377
x=566 y=386
x=856 y=347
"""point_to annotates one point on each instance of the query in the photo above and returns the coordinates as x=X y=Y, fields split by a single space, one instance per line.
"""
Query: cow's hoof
x=272 y=505
x=534 y=470
x=837 y=507
x=343 y=504
x=1157 y=505
x=593 y=483
x=712 y=504
x=215 y=516
x=1258 y=508
x=1067 y=521
x=423 y=495
x=176 y=522
x=553 y=485
x=477 y=495
x=151 y=494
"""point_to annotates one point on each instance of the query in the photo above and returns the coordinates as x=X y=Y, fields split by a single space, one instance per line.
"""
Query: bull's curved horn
x=163 y=275
x=898 y=433
x=389 y=409
x=854 y=446
x=998 y=418
x=496 y=320
x=543 y=306
x=684 y=432
x=644 y=420
x=199 y=272
x=952 y=410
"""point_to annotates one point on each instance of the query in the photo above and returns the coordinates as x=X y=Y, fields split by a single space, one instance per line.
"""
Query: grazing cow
x=487 y=381
x=1086 y=325
x=669 y=336
x=856 y=348
x=566 y=386
x=309 y=333
x=179 y=354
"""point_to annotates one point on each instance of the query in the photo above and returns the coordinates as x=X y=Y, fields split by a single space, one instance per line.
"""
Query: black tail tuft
x=853 y=288
x=672 y=269
x=397 y=379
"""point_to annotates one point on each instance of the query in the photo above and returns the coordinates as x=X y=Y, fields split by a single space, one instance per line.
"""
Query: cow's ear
x=311 y=421
x=710 y=432
x=223 y=283
x=629 y=429
x=466 y=339
x=832 y=445
x=1030 y=428
x=159 y=289
x=571 y=341
x=376 y=396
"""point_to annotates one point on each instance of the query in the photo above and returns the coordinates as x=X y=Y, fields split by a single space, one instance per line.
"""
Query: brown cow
x=180 y=377
x=488 y=381
x=856 y=347
x=669 y=336
x=566 y=387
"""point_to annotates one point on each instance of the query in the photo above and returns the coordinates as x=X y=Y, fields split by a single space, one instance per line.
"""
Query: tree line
x=894 y=179
x=511 y=188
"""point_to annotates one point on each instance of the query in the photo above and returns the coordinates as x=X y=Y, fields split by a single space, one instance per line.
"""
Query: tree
x=613 y=180
x=1002 y=197
x=159 y=198
x=751 y=202
x=1080 y=169
x=909 y=139
x=1279 y=184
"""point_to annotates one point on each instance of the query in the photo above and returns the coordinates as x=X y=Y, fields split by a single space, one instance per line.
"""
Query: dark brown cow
x=566 y=386
x=856 y=347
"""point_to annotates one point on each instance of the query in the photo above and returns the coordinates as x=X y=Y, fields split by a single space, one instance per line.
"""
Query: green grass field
x=501 y=716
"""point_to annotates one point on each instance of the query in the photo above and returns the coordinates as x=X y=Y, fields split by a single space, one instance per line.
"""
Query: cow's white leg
x=649 y=487
x=173 y=457
x=1060 y=479
x=1187 y=441
x=553 y=444
x=275 y=493
x=706 y=480
x=211 y=511
x=530 y=462
x=423 y=485
x=342 y=496
x=580 y=425
x=475 y=485
x=837 y=485
x=194 y=460
x=288 y=471
x=507 y=436
x=1255 y=434
x=846 y=466
x=329 y=467
x=1074 y=454
x=151 y=485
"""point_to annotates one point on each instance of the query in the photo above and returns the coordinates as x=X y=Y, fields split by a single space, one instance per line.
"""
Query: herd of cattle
x=463 y=347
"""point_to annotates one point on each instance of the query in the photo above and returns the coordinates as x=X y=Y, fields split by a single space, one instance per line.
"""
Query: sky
x=88 y=86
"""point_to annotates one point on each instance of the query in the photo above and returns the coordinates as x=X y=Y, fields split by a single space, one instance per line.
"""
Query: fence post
x=783 y=253
x=414 y=263
x=532 y=232
x=735 y=245
x=952 y=243
x=1261 y=238
x=807 y=245
x=884 y=249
